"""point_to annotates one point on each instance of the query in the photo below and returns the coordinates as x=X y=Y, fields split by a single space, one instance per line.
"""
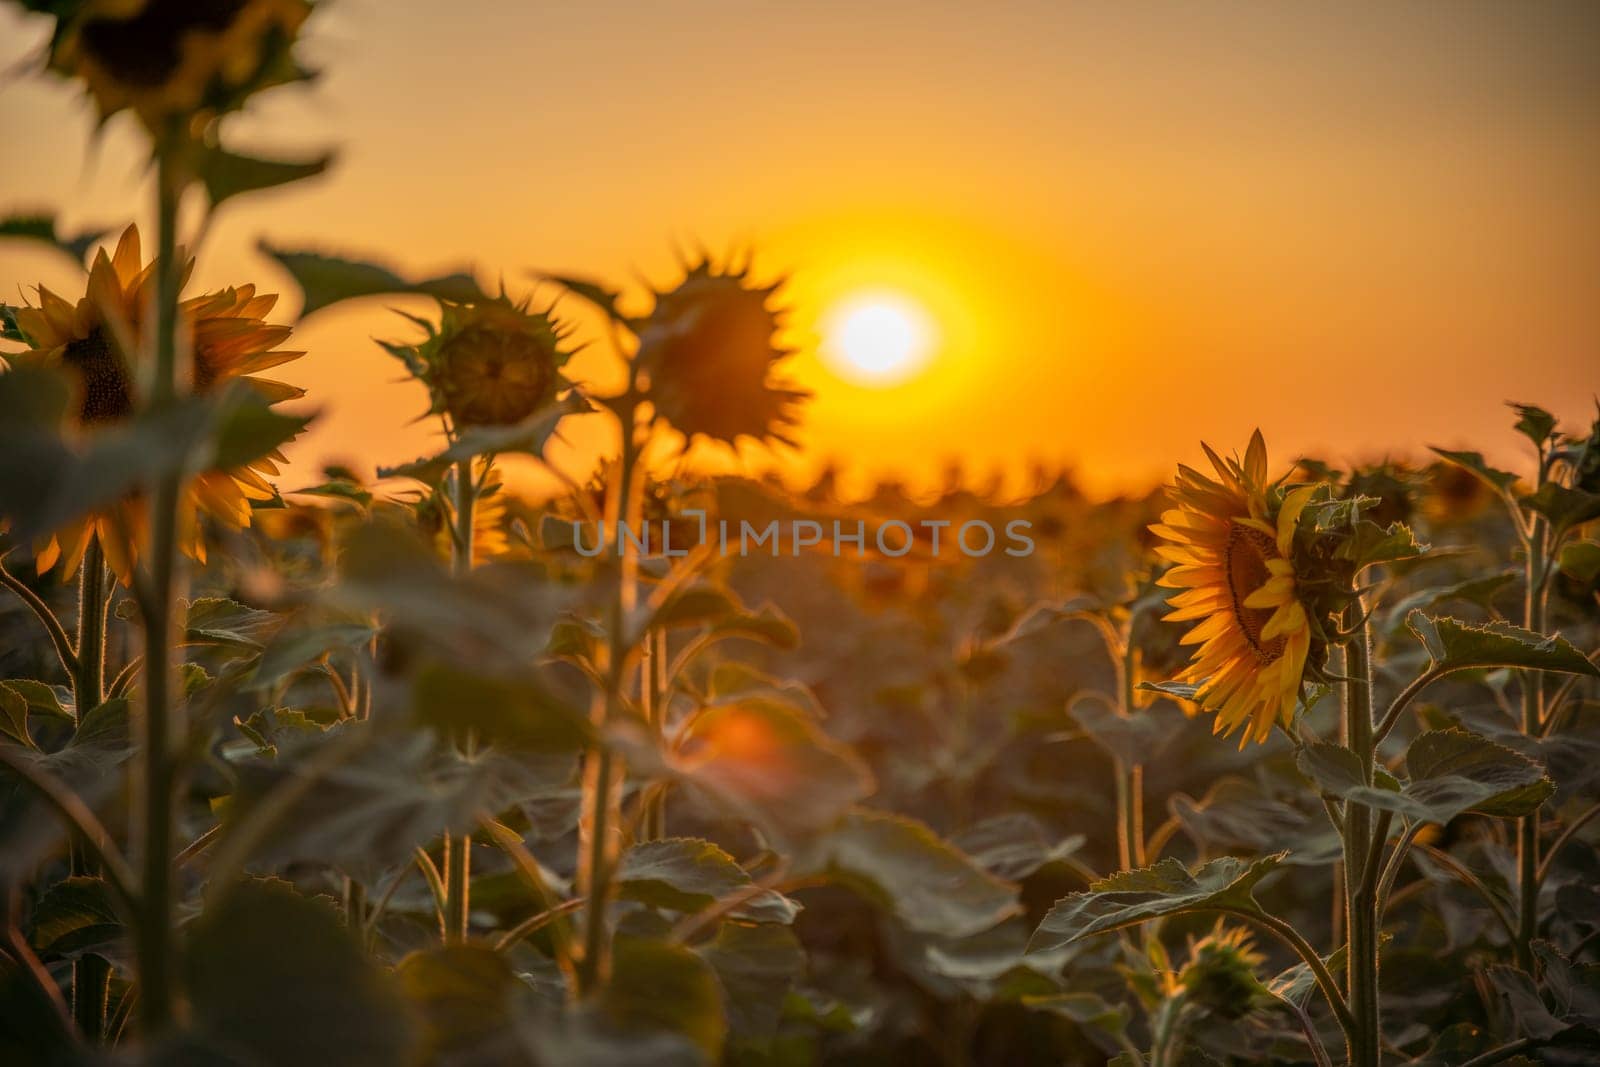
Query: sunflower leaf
x=1133 y=739
x=41 y=227
x=1480 y=591
x=1476 y=464
x=1534 y=423
x=686 y=874
x=925 y=882
x=328 y=280
x=1581 y=560
x=464 y=995
x=1369 y=544
x=1565 y=508
x=664 y=986
x=530 y=436
x=227 y=174
x=757 y=966
x=8 y=325
x=1455 y=771
x=1455 y=645
x=1167 y=888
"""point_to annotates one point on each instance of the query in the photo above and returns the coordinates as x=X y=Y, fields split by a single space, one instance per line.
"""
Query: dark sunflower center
x=495 y=377
x=107 y=393
x=145 y=50
x=1246 y=562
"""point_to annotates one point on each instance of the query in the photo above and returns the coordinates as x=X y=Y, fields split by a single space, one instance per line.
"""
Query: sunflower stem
x=458 y=849
x=604 y=772
x=652 y=688
x=155 y=931
x=1361 y=851
x=1534 y=598
x=1130 y=776
x=91 y=974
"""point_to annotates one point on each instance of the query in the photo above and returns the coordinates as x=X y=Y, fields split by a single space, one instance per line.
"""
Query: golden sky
x=1133 y=226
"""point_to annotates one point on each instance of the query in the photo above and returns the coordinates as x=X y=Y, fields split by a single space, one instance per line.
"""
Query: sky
x=1132 y=227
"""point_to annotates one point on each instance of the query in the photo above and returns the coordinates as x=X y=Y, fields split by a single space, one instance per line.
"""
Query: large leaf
x=463 y=994
x=687 y=874
x=1014 y=845
x=926 y=883
x=663 y=986
x=41 y=227
x=513 y=713
x=227 y=174
x=280 y=978
x=1235 y=814
x=1456 y=645
x=327 y=280
x=771 y=765
x=1478 y=590
x=1167 y=888
x=1134 y=739
x=757 y=966
x=1564 y=507
x=1474 y=462
x=75 y=916
x=1451 y=772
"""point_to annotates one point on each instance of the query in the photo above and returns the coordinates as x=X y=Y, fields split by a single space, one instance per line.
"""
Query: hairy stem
x=1534 y=574
x=91 y=974
x=1361 y=854
x=458 y=849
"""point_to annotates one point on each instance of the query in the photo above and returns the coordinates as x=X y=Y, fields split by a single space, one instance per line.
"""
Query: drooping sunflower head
x=97 y=342
x=710 y=350
x=1231 y=539
x=165 y=58
x=490 y=363
x=1221 y=973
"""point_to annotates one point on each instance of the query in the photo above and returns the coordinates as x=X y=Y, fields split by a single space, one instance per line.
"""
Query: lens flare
x=877 y=339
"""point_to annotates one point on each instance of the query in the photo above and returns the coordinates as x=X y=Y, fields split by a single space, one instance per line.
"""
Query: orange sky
x=1359 y=228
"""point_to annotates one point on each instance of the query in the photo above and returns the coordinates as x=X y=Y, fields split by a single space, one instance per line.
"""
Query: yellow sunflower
x=435 y=516
x=1233 y=566
x=92 y=341
x=176 y=57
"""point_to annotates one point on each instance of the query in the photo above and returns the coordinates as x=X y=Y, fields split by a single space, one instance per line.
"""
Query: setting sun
x=877 y=339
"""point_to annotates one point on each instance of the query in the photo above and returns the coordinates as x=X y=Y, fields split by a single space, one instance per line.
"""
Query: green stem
x=1130 y=776
x=458 y=849
x=604 y=774
x=91 y=974
x=652 y=688
x=1532 y=717
x=155 y=933
x=1361 y=855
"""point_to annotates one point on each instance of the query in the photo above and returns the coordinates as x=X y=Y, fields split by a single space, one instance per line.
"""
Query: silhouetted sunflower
x=176 y=57
x=710 y=349
x=1233 y=565
x=491 y=363
x=1221 y=973
x=92 y=340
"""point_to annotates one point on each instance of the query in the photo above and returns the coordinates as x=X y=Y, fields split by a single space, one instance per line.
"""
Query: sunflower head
x=97 y=343
x=709 y=349
x=1232 y=542
x=166 y=58
x=1221 y=973
x=490 y=363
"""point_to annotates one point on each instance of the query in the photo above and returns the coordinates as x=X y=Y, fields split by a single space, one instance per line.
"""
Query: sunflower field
x=1280 y=763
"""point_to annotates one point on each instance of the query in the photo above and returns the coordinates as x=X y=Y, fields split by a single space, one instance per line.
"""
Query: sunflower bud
x=492 y=363
x=709 y=348
x=1221 y=974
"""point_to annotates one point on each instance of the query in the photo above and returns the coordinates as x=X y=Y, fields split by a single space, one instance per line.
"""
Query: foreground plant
x=1273 y=576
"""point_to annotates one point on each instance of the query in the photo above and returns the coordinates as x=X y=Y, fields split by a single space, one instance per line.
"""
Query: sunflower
x=489 y=363
x=175 y=57
x=1221 y=973
x=436 y=515
x=709 y=347
x=91 y=340
x=1232 y=557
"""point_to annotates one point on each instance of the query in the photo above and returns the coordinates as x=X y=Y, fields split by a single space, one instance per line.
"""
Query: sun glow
x=877 y=339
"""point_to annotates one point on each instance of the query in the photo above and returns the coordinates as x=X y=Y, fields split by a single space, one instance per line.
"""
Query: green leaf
x=39 y=698
x=41 y=227
x=1474 y=462
x=1177 y=690
x=1014 y=845
x=767 y=762
x=766 y=624
x=1565 y=508
x=220 y=621
x=1086 y=1009
x=531 y=435
x=227 y=174
x=1456 y=771
x=1581 y=560
x=664 y=986
x=1236 y=814
x=280 y=977
x=757 y=967
x=695 y=605
x=1534 y=423
x=1167 y=888
x=1134 y=739
x=328 y=280
x=687 y=874
x=513 y=713
x=1369 y=544
x=926 y=883
x=294 y=647
x=76 y=916
x=464 y=995
x=9 y=331
x=1456 y=645
x=1480 y=591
